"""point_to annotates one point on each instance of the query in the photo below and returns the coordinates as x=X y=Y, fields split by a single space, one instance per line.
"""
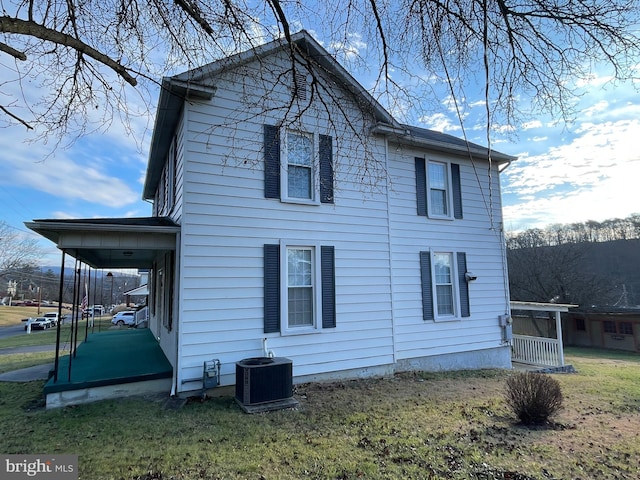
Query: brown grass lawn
x=411 y=426
x=14 y=315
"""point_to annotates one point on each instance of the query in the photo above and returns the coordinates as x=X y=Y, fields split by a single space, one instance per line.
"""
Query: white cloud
x=601 y=106
x=531 y=124
x=83 y=177
x=593 y=176
x=441 y=123
x=352 y=46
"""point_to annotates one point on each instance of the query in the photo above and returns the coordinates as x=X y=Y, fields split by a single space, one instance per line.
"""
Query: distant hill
x=585 y=273
x=619 y=261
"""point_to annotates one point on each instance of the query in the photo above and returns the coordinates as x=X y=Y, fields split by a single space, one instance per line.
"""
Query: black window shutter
x=427 y=294
x=421 y=186
x=326 y=168
x=328 y=273
x=271 y=161
x=271 y=288
x=457 y=190
x=463 y=285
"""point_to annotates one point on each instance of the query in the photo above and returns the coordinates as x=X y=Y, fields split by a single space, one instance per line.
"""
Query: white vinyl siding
x=226 y=222
x=475 y=235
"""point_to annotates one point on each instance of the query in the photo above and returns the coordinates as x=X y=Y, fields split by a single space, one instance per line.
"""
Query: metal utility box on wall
x=264 y=383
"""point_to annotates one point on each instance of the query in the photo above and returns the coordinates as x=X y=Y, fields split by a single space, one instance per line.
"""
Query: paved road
x=14 y=330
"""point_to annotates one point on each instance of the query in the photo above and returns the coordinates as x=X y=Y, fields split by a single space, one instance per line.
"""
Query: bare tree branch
x=12 y=51
x=21 y=27
x=15 y=117
x=531 y=49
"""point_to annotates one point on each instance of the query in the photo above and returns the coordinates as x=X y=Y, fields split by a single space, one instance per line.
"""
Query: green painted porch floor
x=111 y=358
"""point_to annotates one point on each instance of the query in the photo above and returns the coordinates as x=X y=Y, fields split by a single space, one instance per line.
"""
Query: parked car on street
x=95 y=310
x=124 y=318
x=38 y=323
x=53 y=316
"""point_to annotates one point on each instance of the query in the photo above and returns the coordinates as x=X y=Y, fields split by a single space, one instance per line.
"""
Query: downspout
x=503 y=254
x=176 y=295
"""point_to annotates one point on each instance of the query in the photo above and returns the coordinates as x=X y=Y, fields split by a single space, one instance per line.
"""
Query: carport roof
x=111 y=242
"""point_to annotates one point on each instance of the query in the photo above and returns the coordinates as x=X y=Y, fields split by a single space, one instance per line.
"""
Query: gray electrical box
x=505 y=322
x=210 y=375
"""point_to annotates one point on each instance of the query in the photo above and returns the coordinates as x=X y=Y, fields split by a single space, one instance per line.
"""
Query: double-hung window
x=445 y=291
x=438 y=181
x=300 y=166
x=300 y=287
x=438 y=189
x=443 y=282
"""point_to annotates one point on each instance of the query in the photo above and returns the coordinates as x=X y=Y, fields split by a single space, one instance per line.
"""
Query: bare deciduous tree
x=85 y=58
x=16 y=250
x=558 y=263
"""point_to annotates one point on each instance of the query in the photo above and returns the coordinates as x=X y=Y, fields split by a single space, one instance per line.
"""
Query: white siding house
x=314 y=225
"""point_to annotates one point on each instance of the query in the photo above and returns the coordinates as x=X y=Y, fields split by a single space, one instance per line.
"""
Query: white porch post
x=559 y=336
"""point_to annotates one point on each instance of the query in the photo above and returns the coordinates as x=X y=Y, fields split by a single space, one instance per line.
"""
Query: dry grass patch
x=424 y=426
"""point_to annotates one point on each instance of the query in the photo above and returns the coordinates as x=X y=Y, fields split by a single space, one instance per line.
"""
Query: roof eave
x=403 y=136
x=173 y=93
x=49 y=229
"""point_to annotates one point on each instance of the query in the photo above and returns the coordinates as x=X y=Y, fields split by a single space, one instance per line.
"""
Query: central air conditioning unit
x=264 y=383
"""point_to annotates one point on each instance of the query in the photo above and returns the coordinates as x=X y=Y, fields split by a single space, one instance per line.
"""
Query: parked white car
x=124 y=318
x=53 y=316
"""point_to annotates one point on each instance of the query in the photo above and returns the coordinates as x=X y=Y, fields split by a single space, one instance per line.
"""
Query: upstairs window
x=300 y=161
x=299 y=167
x=438 y=189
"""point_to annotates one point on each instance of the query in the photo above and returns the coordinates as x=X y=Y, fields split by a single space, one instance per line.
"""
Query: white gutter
x=404 y=135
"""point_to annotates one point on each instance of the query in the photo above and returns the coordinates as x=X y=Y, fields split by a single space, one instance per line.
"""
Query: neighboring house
x=309 y=223
x=604 y=327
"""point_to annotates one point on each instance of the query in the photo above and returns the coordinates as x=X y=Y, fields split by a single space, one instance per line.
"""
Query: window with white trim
x=300 y=287
x=438 y=189
x=445 y=291
x=443 y=284
x=298 y=166
x=299 y=173
x=438 y=182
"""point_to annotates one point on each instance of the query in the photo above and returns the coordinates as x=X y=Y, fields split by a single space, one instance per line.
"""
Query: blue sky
x=585 y=170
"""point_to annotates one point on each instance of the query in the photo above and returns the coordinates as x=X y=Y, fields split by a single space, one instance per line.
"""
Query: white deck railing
x=537 y=351
x=142 y=315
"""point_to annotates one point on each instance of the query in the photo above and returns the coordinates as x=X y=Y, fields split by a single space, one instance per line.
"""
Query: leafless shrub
x=533 y=397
